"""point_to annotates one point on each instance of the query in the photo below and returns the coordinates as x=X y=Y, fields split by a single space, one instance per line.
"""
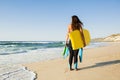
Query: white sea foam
x=31 y=56
x=15 y=72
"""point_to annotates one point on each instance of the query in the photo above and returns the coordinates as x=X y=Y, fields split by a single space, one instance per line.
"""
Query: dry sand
x=102 y=63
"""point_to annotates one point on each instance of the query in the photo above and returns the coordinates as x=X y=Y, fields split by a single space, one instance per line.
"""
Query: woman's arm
x=67 y=35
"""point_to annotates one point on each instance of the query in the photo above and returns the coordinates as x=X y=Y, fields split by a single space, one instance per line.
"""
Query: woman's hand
x=67 y=43
x=84 y=43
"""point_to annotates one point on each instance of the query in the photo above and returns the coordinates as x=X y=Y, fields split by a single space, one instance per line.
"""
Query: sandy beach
x=101 y=63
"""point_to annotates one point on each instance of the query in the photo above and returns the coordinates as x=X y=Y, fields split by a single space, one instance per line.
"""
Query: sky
x=47 y=20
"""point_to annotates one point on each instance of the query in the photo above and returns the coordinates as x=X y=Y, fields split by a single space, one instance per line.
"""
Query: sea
x=14 y=53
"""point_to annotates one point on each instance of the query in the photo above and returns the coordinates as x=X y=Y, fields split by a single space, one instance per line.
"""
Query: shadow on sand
x=101 y=64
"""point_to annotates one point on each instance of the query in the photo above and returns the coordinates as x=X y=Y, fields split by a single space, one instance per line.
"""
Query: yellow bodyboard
x=76 y=38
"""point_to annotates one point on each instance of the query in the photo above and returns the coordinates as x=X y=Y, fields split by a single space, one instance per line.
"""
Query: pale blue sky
x=48 y=19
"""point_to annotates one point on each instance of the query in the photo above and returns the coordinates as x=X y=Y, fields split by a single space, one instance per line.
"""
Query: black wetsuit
x=73 y=54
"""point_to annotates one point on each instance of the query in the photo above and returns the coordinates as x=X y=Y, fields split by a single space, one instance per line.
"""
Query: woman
x=76 y=24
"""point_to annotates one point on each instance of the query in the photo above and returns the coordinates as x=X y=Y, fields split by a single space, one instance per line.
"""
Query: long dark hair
x=76 y=23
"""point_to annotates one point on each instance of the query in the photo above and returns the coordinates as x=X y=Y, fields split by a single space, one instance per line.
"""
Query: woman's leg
x=71 y=57
x=71 y=54
x=76 y=58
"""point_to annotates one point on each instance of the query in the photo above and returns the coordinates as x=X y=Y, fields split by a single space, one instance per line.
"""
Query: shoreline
x=98 y=63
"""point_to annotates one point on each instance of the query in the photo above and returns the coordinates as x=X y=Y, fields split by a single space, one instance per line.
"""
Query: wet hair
x=76 y=23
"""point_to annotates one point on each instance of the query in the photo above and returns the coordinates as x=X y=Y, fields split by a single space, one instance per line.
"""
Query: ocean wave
x=30 y=43
x=14 y=47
